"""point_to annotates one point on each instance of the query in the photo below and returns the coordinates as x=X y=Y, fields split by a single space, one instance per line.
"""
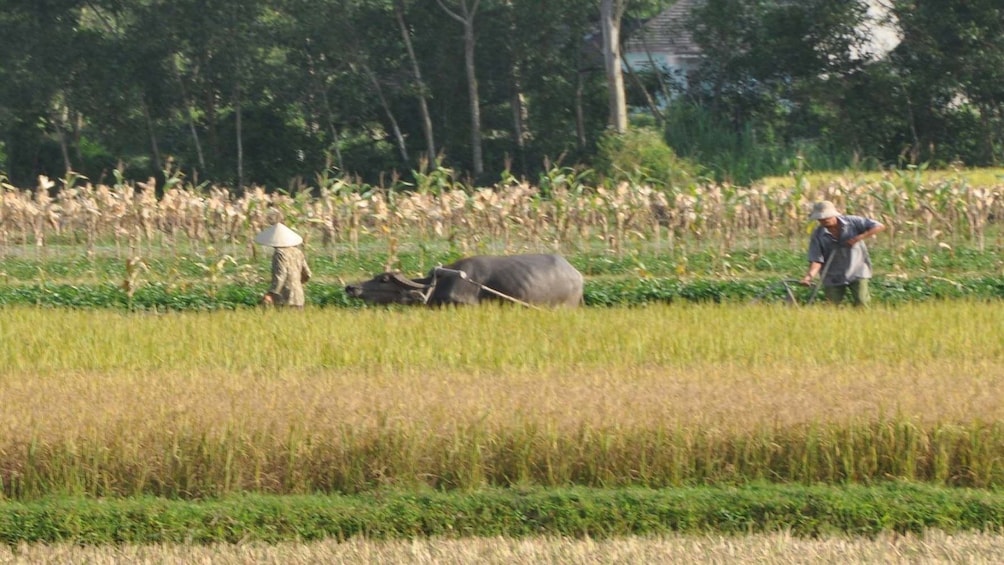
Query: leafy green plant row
x=603 y=292
x=884 y=290
x=573 y=512
x=775 y=260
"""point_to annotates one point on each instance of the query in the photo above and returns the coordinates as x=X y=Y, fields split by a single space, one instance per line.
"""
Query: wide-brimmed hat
x=278 y=235
x=822 y=210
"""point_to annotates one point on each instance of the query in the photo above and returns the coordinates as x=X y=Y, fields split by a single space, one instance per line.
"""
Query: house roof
x=666 y=33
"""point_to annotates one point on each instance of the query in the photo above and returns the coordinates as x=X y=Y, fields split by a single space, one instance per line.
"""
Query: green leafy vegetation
x=566 y=512
x=611 y=281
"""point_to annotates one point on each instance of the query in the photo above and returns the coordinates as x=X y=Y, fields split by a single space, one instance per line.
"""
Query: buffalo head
x=390 y=288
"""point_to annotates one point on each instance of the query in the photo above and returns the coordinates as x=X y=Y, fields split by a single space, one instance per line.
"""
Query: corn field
x=571 y=216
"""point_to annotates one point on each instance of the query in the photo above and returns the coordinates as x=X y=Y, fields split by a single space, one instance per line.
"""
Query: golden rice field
x=195 y=404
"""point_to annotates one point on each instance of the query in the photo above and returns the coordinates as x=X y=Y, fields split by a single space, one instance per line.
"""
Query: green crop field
x=145 y=396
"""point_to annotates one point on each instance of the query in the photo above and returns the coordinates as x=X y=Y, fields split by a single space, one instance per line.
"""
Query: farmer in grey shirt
x=837 y=248
x=289 y=266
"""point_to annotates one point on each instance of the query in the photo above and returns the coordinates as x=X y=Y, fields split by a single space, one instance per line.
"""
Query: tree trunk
x=64 y=149
x=190 y=115
x=467 y=20
x=78 y=127
x=398 y=136
x=610 y=24
x=423 y=91
x=195 y=136
x=652 y=106
x=475 y=102
x=240 y=139
x=656 y=69
x=59 y=121
x=212 y=133
x=580 y=112
x=154 y=148
x=329 y=117
x=520 y=113
x=519 y=118
x=334 y=130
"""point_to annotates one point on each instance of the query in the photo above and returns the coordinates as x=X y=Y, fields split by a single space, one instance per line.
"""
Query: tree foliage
x=275 y=91
x=797 y=74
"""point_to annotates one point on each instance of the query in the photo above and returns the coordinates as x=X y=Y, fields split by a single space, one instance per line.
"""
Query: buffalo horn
x=406 y=282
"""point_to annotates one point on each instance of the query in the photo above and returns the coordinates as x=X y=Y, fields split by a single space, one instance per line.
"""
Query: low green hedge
x=577 y=512
x=883 y=290
x=598 y=292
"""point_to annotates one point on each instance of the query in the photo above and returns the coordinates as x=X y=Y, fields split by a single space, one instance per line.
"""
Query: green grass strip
x=576 y=512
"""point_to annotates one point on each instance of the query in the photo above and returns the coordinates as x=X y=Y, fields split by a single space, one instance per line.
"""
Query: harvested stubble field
x=780 y=548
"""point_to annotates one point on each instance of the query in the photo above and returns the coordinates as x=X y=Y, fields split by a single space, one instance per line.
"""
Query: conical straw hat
x=278 y=235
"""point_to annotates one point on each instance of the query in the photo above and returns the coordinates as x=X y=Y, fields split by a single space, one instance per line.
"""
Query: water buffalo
x=525 y=279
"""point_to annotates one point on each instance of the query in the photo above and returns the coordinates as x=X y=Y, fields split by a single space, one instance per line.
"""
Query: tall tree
x=423 y=89
x=951 y=61
x=611 y=13
x=36 y=68
x=776 y=64
x=464 y=11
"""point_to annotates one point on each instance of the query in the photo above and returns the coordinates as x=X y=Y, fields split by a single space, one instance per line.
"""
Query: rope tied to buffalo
x=464 y=276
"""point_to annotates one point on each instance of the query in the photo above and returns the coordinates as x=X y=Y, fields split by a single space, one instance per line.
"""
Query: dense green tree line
x=273 y=91
x=807 y=76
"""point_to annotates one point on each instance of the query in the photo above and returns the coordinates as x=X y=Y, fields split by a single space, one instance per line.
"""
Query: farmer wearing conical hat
x=289 y=266
x=837 y=248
